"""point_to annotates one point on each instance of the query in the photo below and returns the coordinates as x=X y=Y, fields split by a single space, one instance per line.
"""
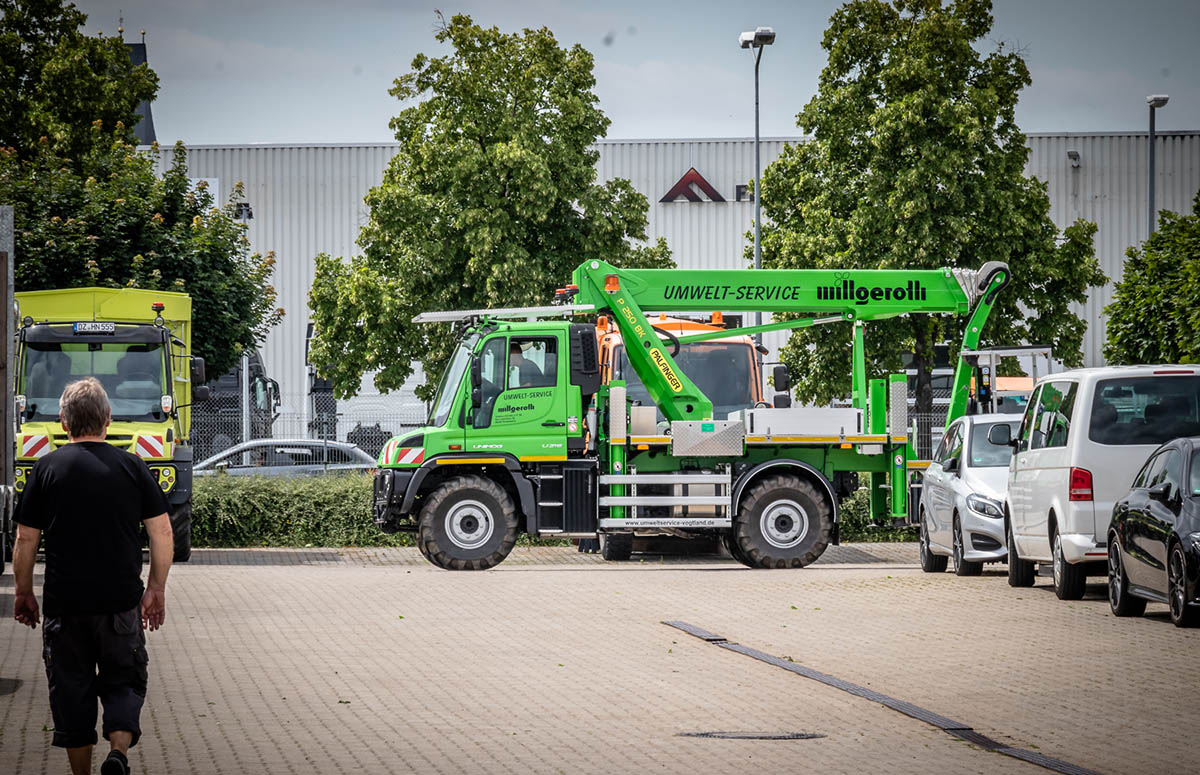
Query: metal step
x=665 y=479
x=633 y=523
x=551 y=503
x=665 y=500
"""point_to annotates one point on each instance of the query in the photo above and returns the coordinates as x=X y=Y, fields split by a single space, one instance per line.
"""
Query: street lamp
x=1154 y=101
x=755 y=40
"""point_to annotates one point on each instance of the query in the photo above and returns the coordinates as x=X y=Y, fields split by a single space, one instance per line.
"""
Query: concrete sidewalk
x=372 y=661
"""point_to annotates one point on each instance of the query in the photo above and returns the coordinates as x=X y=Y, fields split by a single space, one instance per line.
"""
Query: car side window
x=1143 y=477
x=1195 y=477
x=955 y=448
x=947 y=444
x=940 y=453
x=1052 y=423
x=1026 y=429
x=1173 y=471
x=1154 y=470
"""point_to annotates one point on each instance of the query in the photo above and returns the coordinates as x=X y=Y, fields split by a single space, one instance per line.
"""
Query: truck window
x=131 y=374
x=1145 y=410
x=532 y=362
x=721 y=369
x=492 y=362
x=451 y=382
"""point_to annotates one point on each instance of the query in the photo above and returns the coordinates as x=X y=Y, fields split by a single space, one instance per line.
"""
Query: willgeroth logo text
x=861 y=294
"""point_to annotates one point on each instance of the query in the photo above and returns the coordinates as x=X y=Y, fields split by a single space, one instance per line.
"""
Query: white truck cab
x=1083 y=437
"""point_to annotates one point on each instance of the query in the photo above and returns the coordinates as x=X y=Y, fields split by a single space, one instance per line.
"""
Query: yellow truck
x=138 y=344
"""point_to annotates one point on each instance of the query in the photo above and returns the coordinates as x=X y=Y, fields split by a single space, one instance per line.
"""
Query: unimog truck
x=523 y=434
x=138 y=344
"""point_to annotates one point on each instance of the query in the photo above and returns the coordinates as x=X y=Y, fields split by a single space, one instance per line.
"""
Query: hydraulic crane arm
x=815 y=294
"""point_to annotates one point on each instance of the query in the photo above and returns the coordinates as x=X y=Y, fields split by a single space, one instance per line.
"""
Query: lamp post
x=755 y=40
x=1154 y=101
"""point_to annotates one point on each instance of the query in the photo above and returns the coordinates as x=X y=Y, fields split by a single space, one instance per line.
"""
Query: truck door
x=524 y=407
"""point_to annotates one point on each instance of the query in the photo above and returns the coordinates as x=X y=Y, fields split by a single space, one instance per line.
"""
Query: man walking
x=88 y=497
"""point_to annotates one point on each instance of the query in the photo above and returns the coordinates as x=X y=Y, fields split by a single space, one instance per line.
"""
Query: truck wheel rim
x=1175 y=583
x=1114 y=574
x=784 y=524
x=469 y=524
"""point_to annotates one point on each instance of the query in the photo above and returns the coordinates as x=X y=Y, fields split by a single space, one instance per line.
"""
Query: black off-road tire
x=616 y=547
x=1182 y=614
x=467 y=523
x=930 y=562
x=772 y=532
x=1119 y=600
x=731 y=545
x=963 y=567
x=181 y=527
x=1020 y=572
x=1070 y=581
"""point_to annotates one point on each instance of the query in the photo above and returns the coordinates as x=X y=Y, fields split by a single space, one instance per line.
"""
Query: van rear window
x=1145 y=410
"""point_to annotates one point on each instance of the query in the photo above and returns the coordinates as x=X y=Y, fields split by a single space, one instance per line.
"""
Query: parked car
x=287 y=457
x=1154 y=538
x=962 y=497
x=1081 y=438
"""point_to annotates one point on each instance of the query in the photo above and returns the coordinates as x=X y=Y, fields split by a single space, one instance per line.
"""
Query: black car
x=1154 y=537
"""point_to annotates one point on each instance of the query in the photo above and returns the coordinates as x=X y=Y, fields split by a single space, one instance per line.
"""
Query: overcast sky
x=311 y=71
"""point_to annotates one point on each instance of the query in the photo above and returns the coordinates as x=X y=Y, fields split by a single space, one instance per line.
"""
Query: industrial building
x=302 y=200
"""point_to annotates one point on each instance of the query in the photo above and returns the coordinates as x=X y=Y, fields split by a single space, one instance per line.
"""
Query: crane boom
x=853 y=295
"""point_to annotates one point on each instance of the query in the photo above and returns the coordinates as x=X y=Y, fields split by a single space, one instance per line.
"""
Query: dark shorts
x=95 y=657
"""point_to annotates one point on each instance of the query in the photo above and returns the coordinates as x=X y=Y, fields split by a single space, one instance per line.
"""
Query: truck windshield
x=720 y=369
x=132 y=375
x=1145 y=410
x=451 y=379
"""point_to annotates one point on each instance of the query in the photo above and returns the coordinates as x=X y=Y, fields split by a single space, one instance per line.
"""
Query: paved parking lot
x=372 y=661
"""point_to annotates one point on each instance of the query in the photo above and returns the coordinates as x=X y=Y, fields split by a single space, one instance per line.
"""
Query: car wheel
x=1182 y=614
x=1119 y=600
x=1069 y=580
x=468 y=523
x=1020 y=572
x=963 y=567
x=930 y=562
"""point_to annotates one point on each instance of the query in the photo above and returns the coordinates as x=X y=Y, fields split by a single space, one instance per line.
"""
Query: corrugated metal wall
x=309 y=199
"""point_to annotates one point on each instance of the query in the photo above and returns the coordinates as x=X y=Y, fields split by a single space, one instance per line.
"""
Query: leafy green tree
x=109 y=220
x=491 y=201
x=916 y=161
x=55 y=82
x=1154 y=316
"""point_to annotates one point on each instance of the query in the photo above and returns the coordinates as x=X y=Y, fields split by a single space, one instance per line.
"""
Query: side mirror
x=783 y=380
x=951 y=466
x=476 y=373
x=201 y=393
x=1000 y=434
x=198 y=370
x=476 y=398
x=275 y=399
x=1161 y=492
x=783 y=401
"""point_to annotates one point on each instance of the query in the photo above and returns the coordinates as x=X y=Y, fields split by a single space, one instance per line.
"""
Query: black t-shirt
x=88 y=499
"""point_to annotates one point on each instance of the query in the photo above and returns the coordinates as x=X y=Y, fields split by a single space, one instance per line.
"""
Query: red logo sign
x=684 y=188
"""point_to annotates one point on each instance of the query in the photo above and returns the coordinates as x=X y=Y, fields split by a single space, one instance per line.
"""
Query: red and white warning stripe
x=410 y=456
x=35 y=446
x=150 y=446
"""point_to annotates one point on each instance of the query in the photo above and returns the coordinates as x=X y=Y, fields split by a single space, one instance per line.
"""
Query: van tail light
x=1081 y=484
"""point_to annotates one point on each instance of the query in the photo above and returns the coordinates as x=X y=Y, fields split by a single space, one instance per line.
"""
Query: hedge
x=238 y=511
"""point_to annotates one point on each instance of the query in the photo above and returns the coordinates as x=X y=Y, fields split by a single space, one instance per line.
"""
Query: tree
x=491 y=201
x=916 y=161
x=109 y=220
x=55 y=82
x=1154 y=316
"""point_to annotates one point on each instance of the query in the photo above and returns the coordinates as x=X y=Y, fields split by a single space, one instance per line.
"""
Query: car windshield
x=985 y=454
x=451 y=379
x=132 y=375
x=1145 y=410
x=720 y=369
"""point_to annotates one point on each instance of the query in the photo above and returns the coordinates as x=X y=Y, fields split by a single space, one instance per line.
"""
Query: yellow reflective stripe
x=463 y=461
x=818 y=439
x=651 y=439
x=542 y=458
x=919 y=463
x=616 y=441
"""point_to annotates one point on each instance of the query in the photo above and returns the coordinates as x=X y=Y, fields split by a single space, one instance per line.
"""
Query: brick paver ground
x=372 y=661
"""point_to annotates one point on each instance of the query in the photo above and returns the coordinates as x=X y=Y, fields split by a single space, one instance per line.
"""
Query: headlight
x=985 y=506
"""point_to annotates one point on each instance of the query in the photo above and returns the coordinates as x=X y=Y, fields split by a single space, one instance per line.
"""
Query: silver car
x=962 y=498
x=287 y=457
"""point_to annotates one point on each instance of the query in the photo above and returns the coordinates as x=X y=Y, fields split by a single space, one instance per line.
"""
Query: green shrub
x=855 y=512
x=286 y=511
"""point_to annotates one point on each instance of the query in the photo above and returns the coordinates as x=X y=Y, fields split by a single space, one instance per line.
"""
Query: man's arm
x=25 y=605
x=162 y=549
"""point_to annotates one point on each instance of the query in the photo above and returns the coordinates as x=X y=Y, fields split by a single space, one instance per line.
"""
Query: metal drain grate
x=753 y=735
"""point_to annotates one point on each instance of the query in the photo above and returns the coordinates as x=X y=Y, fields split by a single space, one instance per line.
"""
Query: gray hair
x=84 y=408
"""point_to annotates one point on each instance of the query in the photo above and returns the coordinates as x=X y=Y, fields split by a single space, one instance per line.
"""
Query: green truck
x=138 y=344
x=523 y=435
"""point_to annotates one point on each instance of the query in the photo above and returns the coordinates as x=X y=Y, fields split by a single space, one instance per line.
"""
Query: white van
x=1081 y=441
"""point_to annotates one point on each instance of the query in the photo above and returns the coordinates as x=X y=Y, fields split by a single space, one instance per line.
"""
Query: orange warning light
x=612 y=283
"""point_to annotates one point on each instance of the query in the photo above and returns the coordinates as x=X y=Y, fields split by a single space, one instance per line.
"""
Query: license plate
x=95 y=327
